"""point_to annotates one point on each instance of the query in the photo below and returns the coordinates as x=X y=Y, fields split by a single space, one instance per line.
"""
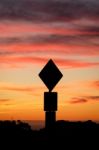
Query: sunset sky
x=31 y=33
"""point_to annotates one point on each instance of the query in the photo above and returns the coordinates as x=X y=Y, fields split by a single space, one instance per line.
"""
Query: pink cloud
x=14 y=29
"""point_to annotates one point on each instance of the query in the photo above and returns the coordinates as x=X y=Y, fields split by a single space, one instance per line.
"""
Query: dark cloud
x=48 y=10
x=84 y=99
x=93 y=97
x=91 y=29
x=10 y=40
x=76 y=100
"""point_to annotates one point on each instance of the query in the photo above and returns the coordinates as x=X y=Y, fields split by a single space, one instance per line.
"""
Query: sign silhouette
x=50 y=75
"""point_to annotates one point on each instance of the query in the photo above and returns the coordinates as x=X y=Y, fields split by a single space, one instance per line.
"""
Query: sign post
x=50 y=75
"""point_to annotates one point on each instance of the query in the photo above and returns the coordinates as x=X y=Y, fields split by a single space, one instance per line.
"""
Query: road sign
x=50 y=75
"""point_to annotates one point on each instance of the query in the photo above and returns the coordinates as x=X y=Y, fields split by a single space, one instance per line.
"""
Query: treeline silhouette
x=62 y=134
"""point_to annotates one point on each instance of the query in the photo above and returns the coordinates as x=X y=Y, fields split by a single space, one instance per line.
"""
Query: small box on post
x=50 y=101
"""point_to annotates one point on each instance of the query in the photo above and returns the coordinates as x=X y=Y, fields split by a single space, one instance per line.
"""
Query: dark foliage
x=64 y=134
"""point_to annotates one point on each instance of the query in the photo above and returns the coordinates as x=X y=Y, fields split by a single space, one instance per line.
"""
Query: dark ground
x=63 y=135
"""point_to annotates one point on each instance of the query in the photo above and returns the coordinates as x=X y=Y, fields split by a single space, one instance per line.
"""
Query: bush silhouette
x=63 y=133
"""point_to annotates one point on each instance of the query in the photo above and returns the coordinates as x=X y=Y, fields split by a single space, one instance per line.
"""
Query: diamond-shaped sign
x=50 y=75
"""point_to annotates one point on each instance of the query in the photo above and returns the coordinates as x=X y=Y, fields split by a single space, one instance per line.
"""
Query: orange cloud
x=20 y=88
x=16 y=88
x=5 y=101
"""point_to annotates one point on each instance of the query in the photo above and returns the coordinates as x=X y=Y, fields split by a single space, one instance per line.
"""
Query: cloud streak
x=52 y=39
x=64 y=27
x=95 y=84
x=5 y=102
x=20 y=88
x=48 y=10
x=16 y=88
x=61 y=49
x=93 y=97
x=68 y=63
x=76 y=100
x=84 y=99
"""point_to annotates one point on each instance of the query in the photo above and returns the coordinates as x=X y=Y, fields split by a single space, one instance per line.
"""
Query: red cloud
x=37 y=60
x=96 y=84
x=58 y=48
